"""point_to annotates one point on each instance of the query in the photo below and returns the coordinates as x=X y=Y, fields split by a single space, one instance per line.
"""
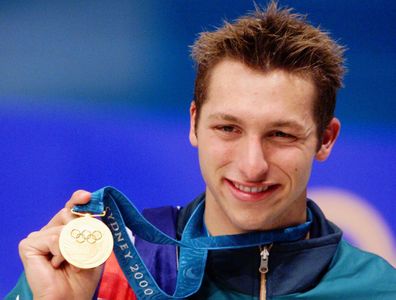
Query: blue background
x=96 y=93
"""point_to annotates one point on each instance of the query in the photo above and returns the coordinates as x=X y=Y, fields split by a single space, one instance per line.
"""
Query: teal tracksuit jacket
x=322 y=267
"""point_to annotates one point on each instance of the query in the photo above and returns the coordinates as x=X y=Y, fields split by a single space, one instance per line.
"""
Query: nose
x=252 y=160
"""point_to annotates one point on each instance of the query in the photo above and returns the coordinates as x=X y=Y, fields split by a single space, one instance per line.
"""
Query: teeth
x=254 y=189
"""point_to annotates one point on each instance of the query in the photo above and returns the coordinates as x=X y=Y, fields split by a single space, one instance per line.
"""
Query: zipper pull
x=264 y=260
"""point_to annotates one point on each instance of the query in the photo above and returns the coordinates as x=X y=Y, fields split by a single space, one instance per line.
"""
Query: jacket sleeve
x=21 y=291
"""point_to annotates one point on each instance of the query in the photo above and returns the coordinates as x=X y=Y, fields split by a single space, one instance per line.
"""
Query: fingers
x=64 y=216
x=41 y=245
x=78 y=197
x=75 y=269
x=44 y=264
x=57 y=260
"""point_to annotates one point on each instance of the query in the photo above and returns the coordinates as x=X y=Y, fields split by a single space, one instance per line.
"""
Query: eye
x=282 y=136
x=227 y=129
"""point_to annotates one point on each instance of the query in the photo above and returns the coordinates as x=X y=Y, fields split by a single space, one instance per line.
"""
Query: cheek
x=302 y=170
x=214 y=154
x=214 y=145
x=293 y=162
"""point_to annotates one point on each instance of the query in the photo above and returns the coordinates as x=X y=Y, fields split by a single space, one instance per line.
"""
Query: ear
x=328 y=140
x=193 y=133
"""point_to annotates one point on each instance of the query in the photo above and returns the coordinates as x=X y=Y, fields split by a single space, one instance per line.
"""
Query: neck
x=218 y=222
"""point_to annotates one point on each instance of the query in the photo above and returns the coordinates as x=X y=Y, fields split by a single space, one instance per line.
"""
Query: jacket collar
x=293 y=266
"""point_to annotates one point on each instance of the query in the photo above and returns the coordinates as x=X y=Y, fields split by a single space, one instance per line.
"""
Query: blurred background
x=96 y=93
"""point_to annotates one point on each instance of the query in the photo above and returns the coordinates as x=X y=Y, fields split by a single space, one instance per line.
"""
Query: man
x=263 y=110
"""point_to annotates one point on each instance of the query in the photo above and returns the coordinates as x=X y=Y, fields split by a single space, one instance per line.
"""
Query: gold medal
x=86 y=242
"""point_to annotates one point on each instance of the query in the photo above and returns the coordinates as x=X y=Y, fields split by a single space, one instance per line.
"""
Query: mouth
x=251 y=189
x=251 y=192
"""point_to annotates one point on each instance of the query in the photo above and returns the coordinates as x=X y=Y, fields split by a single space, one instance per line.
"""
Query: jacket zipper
x=263 y=269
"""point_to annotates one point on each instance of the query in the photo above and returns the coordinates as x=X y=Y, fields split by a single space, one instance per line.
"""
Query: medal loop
x=86 y=214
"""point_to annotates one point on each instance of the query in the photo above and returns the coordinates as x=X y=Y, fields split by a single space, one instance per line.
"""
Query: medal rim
x=77 y=263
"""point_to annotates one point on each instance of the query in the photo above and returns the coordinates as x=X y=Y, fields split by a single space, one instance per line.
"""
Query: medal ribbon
x=194 y=244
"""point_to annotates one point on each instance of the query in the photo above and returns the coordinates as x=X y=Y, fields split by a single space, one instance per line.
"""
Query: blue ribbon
x=194 y=243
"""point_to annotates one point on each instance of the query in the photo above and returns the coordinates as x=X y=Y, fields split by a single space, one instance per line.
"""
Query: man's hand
x=48 y=274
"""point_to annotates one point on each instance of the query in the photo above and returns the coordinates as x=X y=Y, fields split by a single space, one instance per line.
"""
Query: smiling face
x=256 y=140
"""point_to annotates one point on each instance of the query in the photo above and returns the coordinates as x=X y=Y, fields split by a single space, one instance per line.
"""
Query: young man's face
x=256 y=140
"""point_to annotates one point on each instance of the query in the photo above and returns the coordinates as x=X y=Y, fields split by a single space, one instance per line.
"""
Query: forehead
x=235 y=87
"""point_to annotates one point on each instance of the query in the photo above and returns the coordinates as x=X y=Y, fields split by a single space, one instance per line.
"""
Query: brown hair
x=274 y=39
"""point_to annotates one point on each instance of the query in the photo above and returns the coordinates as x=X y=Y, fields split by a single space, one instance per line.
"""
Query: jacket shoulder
x=353 y=274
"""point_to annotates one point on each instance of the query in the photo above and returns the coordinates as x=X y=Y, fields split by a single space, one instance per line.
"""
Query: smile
x=250 y=189
x=251 y=192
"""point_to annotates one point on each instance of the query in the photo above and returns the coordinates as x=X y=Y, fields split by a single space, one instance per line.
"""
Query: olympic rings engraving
x=86 y=236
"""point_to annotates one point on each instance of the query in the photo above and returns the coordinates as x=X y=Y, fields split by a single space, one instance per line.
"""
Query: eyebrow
x=224 y=117
x=292 y=124
x=234 y=119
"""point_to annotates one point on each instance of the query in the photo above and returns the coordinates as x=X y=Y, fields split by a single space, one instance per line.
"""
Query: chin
x=250 y=224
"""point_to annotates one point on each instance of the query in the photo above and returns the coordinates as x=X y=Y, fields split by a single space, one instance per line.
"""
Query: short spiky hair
x=274 y=39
